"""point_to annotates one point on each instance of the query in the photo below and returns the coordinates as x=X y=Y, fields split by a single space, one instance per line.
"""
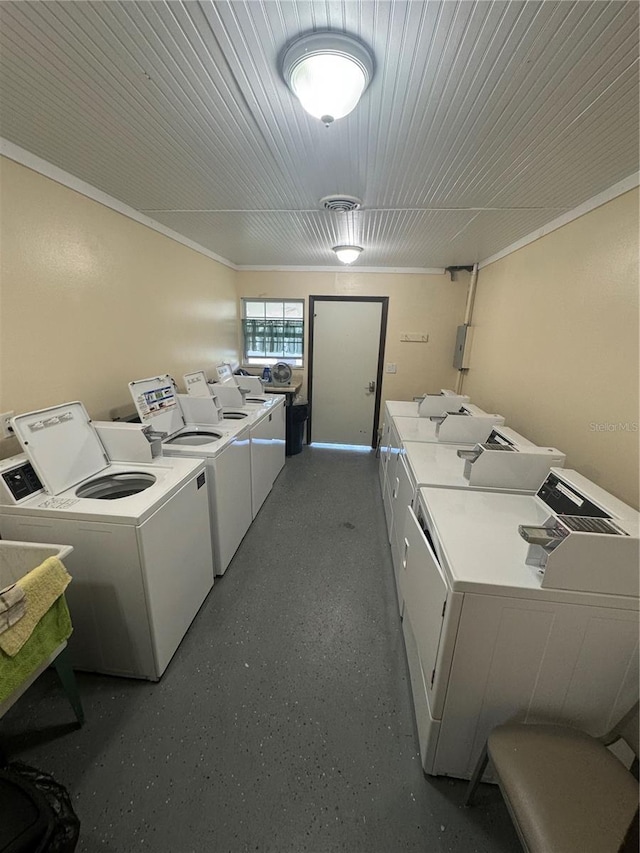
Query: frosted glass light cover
x=328 y=72
x=347 y=254
x=329 y=85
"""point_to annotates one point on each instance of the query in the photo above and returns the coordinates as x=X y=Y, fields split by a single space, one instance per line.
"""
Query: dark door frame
x=383 y=337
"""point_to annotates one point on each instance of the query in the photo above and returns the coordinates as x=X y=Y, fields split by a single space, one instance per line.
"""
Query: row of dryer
x=517 y=580
x=154 y=509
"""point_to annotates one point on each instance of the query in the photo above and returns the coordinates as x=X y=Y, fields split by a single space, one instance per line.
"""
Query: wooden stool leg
x=477 y=775
x=68 y=681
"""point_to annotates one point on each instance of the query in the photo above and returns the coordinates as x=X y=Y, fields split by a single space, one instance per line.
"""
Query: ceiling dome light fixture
x=347 y=254
x=327 y=72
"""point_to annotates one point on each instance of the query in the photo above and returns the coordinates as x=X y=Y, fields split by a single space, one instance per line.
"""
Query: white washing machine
x=267 y=428
x=249 y=387
x=230 y=402
x=142 y=561
x=224 y=446
x=499 y=628
x=267 y=453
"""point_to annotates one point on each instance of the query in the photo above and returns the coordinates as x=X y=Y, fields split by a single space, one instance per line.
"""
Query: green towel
x=42 y=586
x=51 y=630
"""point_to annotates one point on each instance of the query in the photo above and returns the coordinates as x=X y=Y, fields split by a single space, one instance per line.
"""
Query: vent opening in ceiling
x=341 y=203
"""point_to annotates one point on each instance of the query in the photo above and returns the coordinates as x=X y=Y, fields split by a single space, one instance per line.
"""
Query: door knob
x=371 y=386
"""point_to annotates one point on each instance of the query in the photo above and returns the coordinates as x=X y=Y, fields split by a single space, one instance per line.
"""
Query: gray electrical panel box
x=463 y=347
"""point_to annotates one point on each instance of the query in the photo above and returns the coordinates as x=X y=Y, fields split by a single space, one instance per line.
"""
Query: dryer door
x=425 y=592
x=401 y=497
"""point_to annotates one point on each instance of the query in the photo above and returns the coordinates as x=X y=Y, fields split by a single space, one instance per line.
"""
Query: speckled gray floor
x=284 y=722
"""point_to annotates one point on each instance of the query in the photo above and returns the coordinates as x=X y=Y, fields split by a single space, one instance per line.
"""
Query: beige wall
x=418 y=304
x=91 y=299
x=555 y=346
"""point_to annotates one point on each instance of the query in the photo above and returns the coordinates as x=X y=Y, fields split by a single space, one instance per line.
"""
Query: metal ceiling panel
x=483 y=120
x=484 y=235
x=392 y=238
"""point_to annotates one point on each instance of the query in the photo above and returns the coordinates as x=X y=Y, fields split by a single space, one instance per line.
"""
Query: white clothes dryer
x=469 y=426
x=142 y=561
x=426 y=406
x=497 y=629
x=224 y=446
x=506 y=462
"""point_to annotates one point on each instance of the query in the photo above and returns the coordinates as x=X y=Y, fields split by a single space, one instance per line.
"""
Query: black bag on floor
x=36 y=815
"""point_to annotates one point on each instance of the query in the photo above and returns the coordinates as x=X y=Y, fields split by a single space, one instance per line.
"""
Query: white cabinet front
x=262 y=463
x=276 y=421
x=534 y=661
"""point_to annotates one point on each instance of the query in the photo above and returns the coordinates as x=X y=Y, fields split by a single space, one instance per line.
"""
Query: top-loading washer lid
x=196 y=384
x=157 y=403
x=225 y=374
x=62 y=444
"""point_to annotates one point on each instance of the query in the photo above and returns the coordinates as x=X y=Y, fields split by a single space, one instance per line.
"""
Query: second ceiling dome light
x=347 y=254
x=327 y=72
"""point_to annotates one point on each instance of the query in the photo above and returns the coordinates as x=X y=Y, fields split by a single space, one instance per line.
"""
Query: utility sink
x=19 y=558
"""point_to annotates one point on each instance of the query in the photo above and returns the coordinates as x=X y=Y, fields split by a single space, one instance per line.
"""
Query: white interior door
x=346 y=344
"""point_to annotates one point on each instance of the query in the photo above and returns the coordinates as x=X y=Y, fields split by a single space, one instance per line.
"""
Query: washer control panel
x=19 y=483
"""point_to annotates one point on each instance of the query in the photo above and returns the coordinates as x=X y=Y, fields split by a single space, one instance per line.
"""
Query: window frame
x=296 y=363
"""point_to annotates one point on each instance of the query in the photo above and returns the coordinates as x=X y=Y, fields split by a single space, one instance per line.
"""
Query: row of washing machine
x=154 y=510
x=517 y=580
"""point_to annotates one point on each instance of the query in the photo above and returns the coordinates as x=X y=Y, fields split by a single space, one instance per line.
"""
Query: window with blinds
x=273 y=330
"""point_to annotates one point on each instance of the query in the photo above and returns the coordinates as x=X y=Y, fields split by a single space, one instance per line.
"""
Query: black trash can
x=37 y=814
x=297 y=415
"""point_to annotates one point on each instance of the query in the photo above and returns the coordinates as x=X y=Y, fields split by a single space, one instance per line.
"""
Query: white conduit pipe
x=468 y=311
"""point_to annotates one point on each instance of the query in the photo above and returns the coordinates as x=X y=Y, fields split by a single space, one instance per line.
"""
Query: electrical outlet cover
x=6 y=430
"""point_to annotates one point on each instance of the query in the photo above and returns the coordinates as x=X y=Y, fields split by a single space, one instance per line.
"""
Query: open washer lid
x=196 y=384
x=62 y=445
x=157 y=403
x=225 y=374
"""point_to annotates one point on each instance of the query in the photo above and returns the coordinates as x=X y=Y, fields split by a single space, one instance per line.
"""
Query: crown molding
x=343 y=269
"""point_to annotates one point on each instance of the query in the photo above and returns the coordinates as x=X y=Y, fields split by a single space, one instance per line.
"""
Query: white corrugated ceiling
x=484 y=120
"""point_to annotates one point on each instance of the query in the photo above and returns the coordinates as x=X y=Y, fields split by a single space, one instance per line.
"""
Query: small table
x=290 y=391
